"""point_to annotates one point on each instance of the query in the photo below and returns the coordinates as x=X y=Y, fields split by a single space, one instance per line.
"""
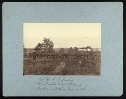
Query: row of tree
x=47 y=47
x=70 y=50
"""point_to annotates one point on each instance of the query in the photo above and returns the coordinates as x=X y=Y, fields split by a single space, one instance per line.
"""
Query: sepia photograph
x=61 y=48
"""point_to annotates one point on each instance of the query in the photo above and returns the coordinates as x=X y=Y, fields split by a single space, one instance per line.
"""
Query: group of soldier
x=35 y=55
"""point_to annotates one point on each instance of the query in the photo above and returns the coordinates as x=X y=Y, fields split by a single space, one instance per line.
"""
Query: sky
x=63 y=35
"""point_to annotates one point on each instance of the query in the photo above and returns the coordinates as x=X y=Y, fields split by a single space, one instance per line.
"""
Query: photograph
x=61 y=48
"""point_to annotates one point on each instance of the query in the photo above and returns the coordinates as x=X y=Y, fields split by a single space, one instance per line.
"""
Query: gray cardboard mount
x=109 y=14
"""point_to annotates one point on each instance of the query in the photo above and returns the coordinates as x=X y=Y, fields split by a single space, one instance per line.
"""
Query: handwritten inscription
x=58 y=83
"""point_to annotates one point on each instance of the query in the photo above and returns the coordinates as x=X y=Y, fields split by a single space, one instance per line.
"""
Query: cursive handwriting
x=58 y=83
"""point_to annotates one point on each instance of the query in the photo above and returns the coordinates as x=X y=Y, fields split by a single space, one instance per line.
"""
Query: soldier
x=34 y=57
x=30 y=55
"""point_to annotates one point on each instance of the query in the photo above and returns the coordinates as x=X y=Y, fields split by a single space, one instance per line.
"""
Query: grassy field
x=71 y=67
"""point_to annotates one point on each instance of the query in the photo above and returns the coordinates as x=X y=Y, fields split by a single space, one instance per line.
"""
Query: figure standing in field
x=34 y=57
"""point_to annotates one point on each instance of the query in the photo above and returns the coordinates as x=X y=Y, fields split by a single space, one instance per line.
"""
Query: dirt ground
x=61 y=66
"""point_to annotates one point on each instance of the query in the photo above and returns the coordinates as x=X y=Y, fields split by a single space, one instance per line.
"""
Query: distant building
x=96 y=49
x=82 y=50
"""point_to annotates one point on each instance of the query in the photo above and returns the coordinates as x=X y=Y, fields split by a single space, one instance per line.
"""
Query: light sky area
x=63 y=35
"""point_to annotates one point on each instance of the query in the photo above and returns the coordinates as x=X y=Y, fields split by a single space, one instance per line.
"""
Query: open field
x=61 y=66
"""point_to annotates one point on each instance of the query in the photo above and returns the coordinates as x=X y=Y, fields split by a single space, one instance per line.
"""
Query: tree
x=62 y=50
x=46 y=46
x=70 y=50
x=75 y=49
x=38 y=46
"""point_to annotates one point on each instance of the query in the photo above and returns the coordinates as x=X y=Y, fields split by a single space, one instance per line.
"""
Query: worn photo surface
x=61 y=48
